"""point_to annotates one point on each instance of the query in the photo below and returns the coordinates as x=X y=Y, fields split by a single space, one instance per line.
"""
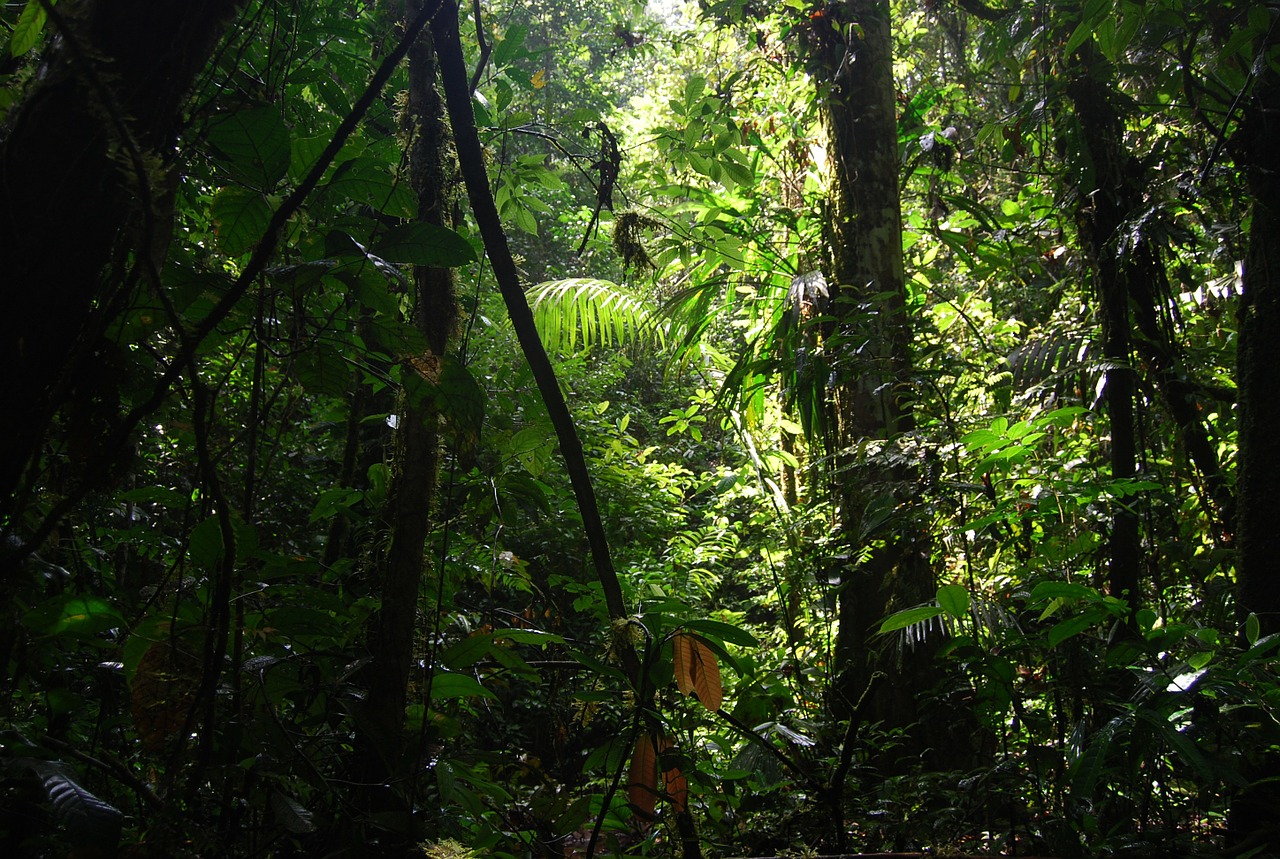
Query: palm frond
x=581 y=313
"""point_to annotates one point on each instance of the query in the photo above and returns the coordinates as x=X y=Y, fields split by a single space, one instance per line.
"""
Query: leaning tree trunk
x=85 y=163
x=867 y=346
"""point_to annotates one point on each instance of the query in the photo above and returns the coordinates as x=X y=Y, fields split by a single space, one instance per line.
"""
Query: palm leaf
x=582 y=313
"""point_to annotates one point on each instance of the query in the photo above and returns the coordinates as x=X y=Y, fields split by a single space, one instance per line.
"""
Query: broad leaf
x=252 y=145
x=642 y=778
x=954 y=600
x=422 y=243
x=697 y=670
x=240 y=219
x=447 y=686
x=30 y=27
x=73 y=615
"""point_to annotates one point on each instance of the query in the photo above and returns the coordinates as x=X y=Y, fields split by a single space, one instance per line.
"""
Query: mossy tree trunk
x=386 y=755
x=869 y=405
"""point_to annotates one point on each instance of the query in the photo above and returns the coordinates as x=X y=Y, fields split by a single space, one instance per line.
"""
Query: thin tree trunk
x=409 y=511
x=471 y=164
x=1102 y=210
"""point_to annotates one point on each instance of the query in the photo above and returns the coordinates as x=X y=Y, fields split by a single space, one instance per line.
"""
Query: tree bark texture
x=1258 y=369
x=867 y=346
x=83 y=170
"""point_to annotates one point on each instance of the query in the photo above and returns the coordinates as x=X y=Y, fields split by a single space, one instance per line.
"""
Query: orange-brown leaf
x=642 y=782
x=683 y=647
x=677 y=789
x=705 y=674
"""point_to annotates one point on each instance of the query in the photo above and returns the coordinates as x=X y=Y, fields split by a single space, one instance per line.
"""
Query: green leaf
x=1086 y=770
x=30 y=27
x=323 y=370
x=583 y=313
x=161 y=495
x=421 y=243
x=1179 y=742
x=447 y=686
x=365 y=180
x=73 y=615
x=462 y=400
x=529 y=636
x=205 y=546
x=954 y=600
x=467 y=652
x=1063 y=590
x=304 y=152
x=1073 y=626
x=252 y=145
x=909 y=617
x=509 y=46
x=533 y=448
x=723 y=631
x=304 y=623
x=240 y=219
x=1094 y=12
x=1252 y=629
x=693 y=89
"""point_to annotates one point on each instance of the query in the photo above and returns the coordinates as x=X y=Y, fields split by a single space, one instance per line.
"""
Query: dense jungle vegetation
x=707 y=429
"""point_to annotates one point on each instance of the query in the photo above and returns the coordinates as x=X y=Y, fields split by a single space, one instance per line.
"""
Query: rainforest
x=694 y=428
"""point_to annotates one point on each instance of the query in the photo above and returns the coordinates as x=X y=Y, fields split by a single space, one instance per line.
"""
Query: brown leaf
x=642 y=782
x=707 y=680
x=697 y=670
x=682 y=647
x=162 y=691
x=677 y=789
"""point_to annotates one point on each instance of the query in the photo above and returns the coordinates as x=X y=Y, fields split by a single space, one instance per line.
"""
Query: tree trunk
x=867 y=346
x=1258 y=369
x=86 y=162
x=1103 y=192
x=409 y=512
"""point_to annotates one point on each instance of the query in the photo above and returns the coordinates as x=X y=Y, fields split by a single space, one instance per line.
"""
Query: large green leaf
x=75 y=615
x=909 y=617
x=322 y=370
x=240 y=218
x=421 y=243
x=954 y=600
x=365 y=180
x=252 y=145
x=447 y=686
x=30 y=27
x=205 y=544
x=722 y=631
